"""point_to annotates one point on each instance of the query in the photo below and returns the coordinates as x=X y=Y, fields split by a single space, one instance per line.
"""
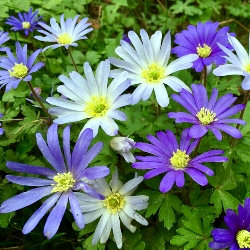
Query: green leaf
x=87 y=244
x=52 y=3
x=5 y=219
x=133 y=240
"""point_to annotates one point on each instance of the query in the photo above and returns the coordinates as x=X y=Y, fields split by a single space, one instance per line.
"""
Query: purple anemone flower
x=202 y=40
x=27 y=22
x=60 y=182
x=173 y=159
x=3 y=38
x=237 y=236
x=18 y=69
x=207 y=114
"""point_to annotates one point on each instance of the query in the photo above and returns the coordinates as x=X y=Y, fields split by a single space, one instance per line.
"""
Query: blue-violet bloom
x=146 y=62
x=240 y=64
x=92 y=99
x=67 y=34
x=60 y=182
x=237 y=236
x=202 y=40
x=27 y=22
x=3 y=38
x=174 y=159
x=18 y=68
x=207 y=114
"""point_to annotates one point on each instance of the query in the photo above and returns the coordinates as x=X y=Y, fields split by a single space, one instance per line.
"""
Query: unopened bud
x=123 y=145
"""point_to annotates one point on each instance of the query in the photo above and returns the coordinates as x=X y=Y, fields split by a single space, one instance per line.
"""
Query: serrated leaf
x=5 y=219
x=87 y=244
x=133 y=240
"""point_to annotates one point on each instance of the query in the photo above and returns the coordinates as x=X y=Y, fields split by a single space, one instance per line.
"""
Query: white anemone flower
x=117 y=205
x=92 y=99
x=147 y=64
x=67 y=34
x=240 y=64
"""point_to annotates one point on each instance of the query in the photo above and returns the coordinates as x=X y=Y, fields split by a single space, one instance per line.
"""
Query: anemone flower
x=147 y=65
x=240 y=64
x=202 y=40
x=207 y=114
x=118 y=204
x=60 y=182
x=67 y=34
x=174 y=159
x=92 y=98
x=27 y=22
x=4 y=38
x=237 y=236
x=18 y=68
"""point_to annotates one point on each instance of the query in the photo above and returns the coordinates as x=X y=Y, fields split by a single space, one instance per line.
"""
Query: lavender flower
x=175 y=160
x=119 y=204
x=207 y=114
x=60 y=182
x=3 y=38
x=202 y=40
x=237 y=236
x=18 y=69
x=27 y=22
x=67 y=34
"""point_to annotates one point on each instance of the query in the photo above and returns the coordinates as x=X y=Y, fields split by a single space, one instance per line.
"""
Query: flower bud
x=123 y=145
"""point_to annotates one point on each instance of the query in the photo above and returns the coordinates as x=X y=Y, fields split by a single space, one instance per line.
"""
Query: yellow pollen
x=206 y=116
x=114 y=203
x=97 y=107
x=179 y=159
x=19 y=70
x=154 y=73
x=26 y=25
x=64 y=39
x=243 y=239
x=204 y=51
x=64 y=182
x=247 y=68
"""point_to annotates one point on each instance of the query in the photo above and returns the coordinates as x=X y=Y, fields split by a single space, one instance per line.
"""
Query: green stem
x=205 y=76
x=196 y=149
x=40 y=102
x=73 y=60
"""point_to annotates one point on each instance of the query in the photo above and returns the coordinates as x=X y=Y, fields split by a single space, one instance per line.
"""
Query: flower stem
x=196 y=149
x=205 y=76
x=40 y=102
x=73 y=60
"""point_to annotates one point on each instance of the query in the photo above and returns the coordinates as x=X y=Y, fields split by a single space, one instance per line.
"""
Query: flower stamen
x=206 y=116
x=243 y=239
x=64 y=182
x=179 y=159
x=154 y=73
x=64 y=38
x=204 y=51
x=97 y=107
x=247 y=68
x=114 y=203
x=19 y=70
x=26 y=25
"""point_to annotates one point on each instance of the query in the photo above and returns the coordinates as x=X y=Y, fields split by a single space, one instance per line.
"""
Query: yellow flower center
x=206 y=116
x=114 y=203
x=26 y=25
x=204 y=51
x=243 y=239
x=64 y=182
x=179 y=159
x=64 y=39
x=247 y=68
x=97 y=107
x=19 y=70
x=154 y=73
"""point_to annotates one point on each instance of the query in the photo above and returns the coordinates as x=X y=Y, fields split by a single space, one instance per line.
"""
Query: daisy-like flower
x=92 y=98
x=147 y=64
x=207 y=114
x=4 y=38
x=174 y=160
x=123 y=145
x=118 y=204
x=27 y=22
x=67 y=34
x=60 y=182
x=18 y=68
x=239 y=65
x=237 y=236
x=202 y=40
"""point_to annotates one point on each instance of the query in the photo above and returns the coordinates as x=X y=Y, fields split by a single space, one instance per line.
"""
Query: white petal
x=147 y=46
x=128 y=156
x=156 y=44
x=147 y=92
x=73 y=117
x=109 y=126
x=175 y=83
x=102 y=74
x=227 y=69
x=128 y=186
x=116 y=229
x=161 y=95
x=164 y=53
x=126 y=220
x=137 y=94
x=114 y=184
x=133 y=214
x=106 y=232
x=94 y=124
x=65 y=104
x=93 y=215
x=116 y=114
x=90 y=79
x=246 y=83
x=104 y=186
